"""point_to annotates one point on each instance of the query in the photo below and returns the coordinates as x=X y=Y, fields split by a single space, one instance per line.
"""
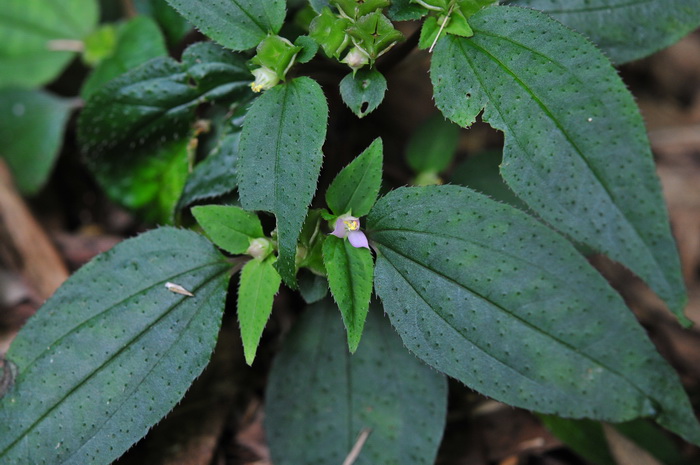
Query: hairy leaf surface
x=625 y=30
x=496 y=299
x=280 y=159
x=576 y=149
x=319 y=397
x=356 y=187
x=235 y=24
x=350 y=272
x=113 y=350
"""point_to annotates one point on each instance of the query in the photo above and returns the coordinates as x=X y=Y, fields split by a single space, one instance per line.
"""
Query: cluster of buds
x=275 y=56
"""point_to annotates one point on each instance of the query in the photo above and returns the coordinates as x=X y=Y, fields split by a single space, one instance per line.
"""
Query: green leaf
x=585 y=437
x=575 y=150
x=256 y=290
x=137 y=41
x=318 y=5
x=625 y=30
x=494 y=298
x=350 y=272
x=113 y=350
x=238 y=24
x=319 y=397
x=374 y=34
x=433 y=146
x=356 y=187
x=363 y=91
x=173 y=25
x=309 y=48
x=328 y=29
x=215 y=175
x=312 y=287
x=156 y=102
x=38 y=38
x=404 y=10
x=230 y=228
x=280 y=159
x=31 y=134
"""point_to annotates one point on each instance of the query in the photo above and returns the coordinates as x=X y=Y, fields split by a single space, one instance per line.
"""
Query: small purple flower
x=349 y=226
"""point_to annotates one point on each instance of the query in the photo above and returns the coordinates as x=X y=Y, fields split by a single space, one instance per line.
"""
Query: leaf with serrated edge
x=280 y=158
x=350 y=272
x=122 y=354
x=229 y=227
x=319 y=397
x=239 y=24
x=497 y=300
x=575 y=146
x=256 y=291
x=356 y=187
x=625 y=30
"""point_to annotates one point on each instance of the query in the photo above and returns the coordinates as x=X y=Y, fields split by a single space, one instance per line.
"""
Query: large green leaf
x=31 y=134
x=256 y=291
x=575 y=146
x=319 y=397
x=350 y=272
x=137 y=41
x=235 y=24
x=29 y=31
x=113 y=350
x=496 y=299
x=356 y=187
x=625 y=29
x=280 y=159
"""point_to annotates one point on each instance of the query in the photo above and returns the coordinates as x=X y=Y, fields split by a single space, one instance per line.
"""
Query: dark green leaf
x=404 y=10
x=256 y=290
x=230 y=228
x=113 y=350
x=174 y=26
x=280 y=159
x=235 y=24
x=432 y=147
x=319 y=397
x=354 y=190
x=309 y=48
x=31 y=134
x=312 y=287
x=363 y=91
x=625 y=30
x=137 y=41
x=480 y=173
x=215 y=175
x=350 y=272
x=496 y=299
x=38 y=38
x=575 y=145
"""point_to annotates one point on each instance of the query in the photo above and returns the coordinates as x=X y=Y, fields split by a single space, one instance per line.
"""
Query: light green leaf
x=625 y=30
x=433 y=146
x=356 y=187
x=235 y=24
x=363 y=91
x=256 y=291
x=119 y=356
x=280 y=159
x=137 y=41
x=38 y=38
x=350 y=273
x=231 y=228
x=319 y=397
x=494 y=298
x=31 y=134
x=575 y=145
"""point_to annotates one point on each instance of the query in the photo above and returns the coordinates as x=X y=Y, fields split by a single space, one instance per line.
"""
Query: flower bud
x=259 y=248
x=356 y=58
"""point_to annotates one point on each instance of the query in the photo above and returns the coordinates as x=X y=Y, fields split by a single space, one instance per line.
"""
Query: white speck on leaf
x=176 y=288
